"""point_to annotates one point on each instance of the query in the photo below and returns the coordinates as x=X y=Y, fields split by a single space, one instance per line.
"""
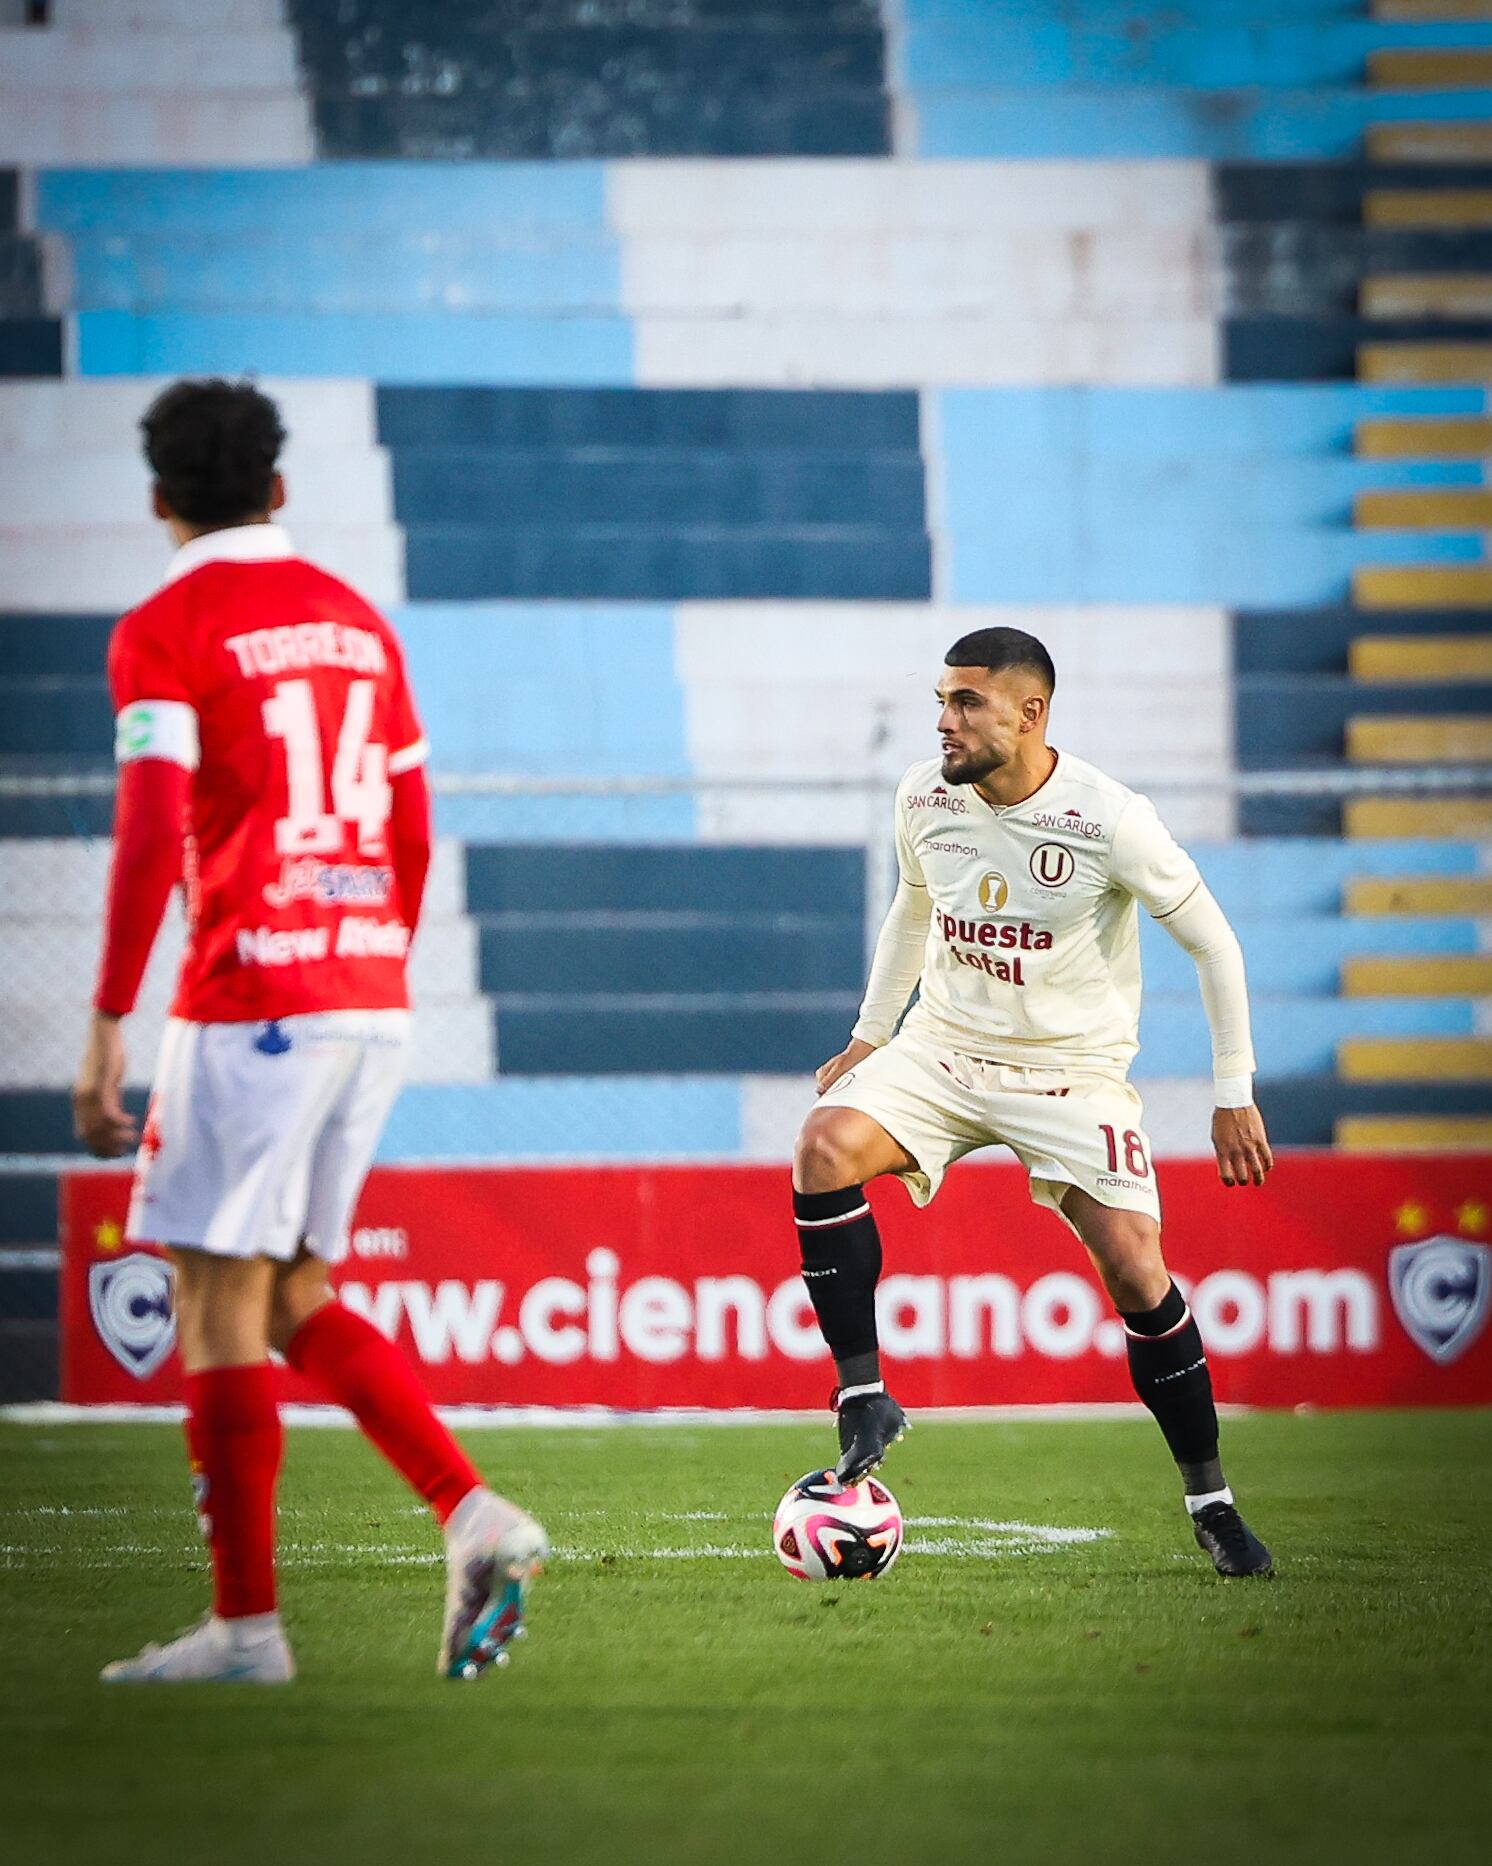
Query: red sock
x=374 y=1380
x=234 y=1439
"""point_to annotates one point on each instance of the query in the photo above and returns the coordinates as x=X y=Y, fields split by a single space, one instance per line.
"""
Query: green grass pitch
x=1006 y=1695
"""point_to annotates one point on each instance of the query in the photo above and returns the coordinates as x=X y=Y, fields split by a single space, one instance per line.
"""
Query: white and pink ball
x=828 y=1531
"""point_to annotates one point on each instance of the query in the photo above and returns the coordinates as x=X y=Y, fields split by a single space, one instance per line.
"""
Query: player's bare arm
x=100 y=1119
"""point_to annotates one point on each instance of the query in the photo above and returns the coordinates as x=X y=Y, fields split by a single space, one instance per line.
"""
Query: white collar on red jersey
x=235 y=544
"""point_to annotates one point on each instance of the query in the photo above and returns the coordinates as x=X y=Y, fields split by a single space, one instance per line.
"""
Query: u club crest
x=1442 y=1293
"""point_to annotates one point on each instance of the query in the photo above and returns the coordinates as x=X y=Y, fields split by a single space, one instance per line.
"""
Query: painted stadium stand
x=685 y=387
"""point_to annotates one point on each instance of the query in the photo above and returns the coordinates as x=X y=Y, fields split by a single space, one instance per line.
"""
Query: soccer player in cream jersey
x=1021 y=868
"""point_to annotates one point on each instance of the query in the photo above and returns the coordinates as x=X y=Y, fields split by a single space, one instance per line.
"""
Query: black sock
x=841 y=1251
x=1168 y=1366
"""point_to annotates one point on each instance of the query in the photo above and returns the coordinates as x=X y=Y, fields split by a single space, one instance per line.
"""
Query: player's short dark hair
x=998 y=649
x=212 y=446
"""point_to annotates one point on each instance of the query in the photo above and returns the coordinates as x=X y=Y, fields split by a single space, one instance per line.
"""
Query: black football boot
x=869 y=1424
x=1235 y=1550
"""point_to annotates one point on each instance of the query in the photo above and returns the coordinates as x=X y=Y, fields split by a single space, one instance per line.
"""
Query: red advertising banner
x=1347 y=1281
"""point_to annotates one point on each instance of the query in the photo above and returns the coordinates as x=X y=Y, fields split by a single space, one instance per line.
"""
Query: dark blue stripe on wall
x=660 y=495
x=648 y=1039
x=544 y=78
x=1285 y=718
x=1301 y=1110
x=592 y=878
x=20 y=277
x=1324 y=192
x=1315 y=641
x=832 y=420
x=1306 y=349
x=1294 y=268
x=30 y=346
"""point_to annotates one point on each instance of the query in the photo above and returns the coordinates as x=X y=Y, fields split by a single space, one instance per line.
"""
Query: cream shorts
x=1065 y=1128
x=260 y=1136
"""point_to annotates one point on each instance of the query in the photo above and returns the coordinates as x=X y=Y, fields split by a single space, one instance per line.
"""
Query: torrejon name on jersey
x=1031 y=954
x=285 y=696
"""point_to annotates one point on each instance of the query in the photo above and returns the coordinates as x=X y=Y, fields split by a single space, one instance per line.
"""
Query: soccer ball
x=828 y=1531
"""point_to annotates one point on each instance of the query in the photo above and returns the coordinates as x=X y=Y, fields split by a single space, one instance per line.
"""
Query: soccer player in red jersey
x=271 y=759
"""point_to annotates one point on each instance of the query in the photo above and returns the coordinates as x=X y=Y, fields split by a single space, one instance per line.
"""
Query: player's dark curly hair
x=997 y=649
x=212 y=446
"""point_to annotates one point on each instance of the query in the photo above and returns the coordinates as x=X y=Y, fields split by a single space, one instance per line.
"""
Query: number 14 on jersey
x=360 y=793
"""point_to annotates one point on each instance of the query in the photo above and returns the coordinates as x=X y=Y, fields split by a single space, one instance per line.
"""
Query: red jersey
x=285 y=695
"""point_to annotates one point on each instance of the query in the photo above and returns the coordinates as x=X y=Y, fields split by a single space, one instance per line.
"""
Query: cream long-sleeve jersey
x=1020 y=926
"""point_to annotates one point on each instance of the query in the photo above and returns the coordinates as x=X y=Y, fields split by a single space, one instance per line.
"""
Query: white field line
x=468 y=1418
x=984 y=1539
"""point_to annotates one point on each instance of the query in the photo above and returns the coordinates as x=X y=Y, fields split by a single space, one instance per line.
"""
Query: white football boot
x=248 y=1652
x=493 y=1552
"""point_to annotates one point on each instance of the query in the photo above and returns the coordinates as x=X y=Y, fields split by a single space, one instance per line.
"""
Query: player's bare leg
x=838 y=1151
x=235 y=1440
x=1168 y=1366
x=493 y=1548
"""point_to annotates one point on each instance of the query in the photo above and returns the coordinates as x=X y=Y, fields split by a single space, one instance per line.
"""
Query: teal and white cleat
x=493 y=1552
x=213 y=1651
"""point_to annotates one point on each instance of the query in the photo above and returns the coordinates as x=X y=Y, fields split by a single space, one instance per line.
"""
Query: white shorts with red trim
x=1066 y=1128
x=259 y=1136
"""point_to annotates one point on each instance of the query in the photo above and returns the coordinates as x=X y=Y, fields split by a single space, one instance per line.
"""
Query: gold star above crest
x=109 y=1235
x=1472 y=1217
x=1410 y=1217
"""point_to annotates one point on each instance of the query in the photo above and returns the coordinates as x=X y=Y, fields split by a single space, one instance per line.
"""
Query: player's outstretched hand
x=854 y=1052
x=1241 y=1146
x=100 y=1120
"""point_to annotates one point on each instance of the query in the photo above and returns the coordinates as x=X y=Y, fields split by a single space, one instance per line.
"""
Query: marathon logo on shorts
x=938 y=799
x=129 y=1299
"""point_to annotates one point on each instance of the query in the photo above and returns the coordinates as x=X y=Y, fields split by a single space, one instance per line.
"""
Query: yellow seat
x=1452 y=819
x=1424 y=362
x=1427 y=207
x=1417 y=975
x=1424 y=508
x=1427 y=294
x=1429 y=142
x=1428 y=12
x=1418 y=894
x=1421 y=437
x=1419 y=739
x=1415 y=1059
x=1403 y=658
x=1422 y=586
x=1414 y=1133
x=1420 y=657
x=1412 y=68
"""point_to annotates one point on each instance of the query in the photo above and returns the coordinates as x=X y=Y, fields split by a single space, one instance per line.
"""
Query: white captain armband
x=157 y=729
